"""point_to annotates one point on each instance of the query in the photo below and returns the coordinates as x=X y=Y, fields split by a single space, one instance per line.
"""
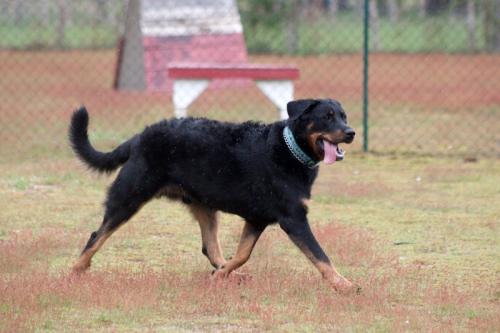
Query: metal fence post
x=366 y=27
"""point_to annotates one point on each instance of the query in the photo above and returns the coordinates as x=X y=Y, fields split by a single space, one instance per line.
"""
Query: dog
x=261 y=172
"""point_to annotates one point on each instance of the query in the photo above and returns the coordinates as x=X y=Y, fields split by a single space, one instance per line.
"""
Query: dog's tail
x=99 y=161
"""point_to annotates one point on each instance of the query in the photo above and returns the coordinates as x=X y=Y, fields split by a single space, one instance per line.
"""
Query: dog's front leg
x=301 y=235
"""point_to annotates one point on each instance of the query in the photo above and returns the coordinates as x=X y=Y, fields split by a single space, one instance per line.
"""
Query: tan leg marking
x=330 y=273
x=249 y=237
x=83 y=263
x=335 y=279
x=209 y=225
x=305 y=204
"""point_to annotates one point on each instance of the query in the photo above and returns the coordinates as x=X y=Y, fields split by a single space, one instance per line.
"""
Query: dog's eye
x=330 y=116
x=343 y=116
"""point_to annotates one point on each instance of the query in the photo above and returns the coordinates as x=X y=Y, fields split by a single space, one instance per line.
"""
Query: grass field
x=419 y=232
x=421 y=235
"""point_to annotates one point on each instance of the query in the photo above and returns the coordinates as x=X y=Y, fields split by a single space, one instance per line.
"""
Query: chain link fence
x=433 y=75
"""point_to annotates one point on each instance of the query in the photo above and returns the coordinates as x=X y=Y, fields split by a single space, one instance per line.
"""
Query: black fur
x=78 y=137
x=244 y=169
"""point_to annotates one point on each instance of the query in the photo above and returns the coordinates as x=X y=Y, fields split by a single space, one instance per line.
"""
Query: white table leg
x=280 y=92
x=185 y=92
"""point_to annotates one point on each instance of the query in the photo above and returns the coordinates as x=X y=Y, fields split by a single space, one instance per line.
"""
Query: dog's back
x=223 y=165
x=196 y=137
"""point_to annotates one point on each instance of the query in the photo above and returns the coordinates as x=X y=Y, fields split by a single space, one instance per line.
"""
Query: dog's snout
x=349 y=134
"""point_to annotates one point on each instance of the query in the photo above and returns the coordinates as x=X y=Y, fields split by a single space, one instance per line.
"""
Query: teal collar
x=296 y=151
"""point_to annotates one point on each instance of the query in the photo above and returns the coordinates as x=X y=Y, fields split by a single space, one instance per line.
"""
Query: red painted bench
x=191 y=79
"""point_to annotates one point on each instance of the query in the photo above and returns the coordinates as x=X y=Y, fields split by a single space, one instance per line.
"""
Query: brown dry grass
x=277 y=297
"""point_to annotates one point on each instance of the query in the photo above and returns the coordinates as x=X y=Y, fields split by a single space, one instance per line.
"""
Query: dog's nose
x=349 y=134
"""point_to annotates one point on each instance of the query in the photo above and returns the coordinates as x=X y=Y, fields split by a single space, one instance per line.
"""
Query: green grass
x=30 y=36
x=421 y=235
x=427 y=35
x=323 y=35
x=318 y=35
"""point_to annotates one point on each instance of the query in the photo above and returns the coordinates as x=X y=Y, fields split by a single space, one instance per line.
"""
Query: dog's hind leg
x=97 y=238
x=129 y=192
x=112 y=220
x=249 y=237
x=209 y=225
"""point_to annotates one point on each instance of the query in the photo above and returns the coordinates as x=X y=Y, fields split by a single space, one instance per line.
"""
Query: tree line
x=481 y=18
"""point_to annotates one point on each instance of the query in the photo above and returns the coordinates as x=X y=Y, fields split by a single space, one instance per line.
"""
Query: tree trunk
x=292 y=28
x=331 y=7
x=360 y=7
x=343 y=4
x=45 y=13
x=102 y=14
x=393 y=8
x=18 y=12
x=61 y=23
x=435 y=7
x=492 y=25
x=471 y=24
x=375 y=25
x=421 y=12
x=4 y=10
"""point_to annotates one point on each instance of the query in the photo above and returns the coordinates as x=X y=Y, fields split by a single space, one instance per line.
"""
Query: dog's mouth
x=331 y=151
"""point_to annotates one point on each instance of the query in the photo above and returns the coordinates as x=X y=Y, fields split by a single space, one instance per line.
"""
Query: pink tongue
x=330 y=152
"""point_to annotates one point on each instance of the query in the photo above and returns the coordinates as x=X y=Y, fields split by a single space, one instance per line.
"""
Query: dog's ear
x=296 y=108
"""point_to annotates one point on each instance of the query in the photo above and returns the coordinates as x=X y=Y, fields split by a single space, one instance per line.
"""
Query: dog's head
x=322 y=125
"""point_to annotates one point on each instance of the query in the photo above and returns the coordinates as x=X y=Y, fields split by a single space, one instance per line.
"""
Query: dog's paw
x=219 y=274
x=345 y=287
x=352 y=290
x=79 y=268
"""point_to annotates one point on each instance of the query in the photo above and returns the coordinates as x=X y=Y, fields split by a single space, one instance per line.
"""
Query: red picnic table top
x=254 y=71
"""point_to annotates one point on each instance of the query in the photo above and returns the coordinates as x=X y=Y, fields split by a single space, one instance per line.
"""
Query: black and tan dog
x=263 y=173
